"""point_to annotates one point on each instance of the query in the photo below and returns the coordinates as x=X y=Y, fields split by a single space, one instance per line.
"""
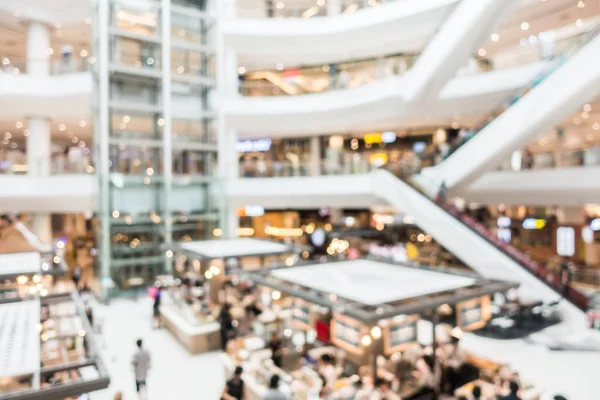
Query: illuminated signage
x=247 y=146
x=347 y=333
x=532 y=223
x=388 y=137
x=473 y=314
x=403 y=334
x=503 y=222
x=251 y=211
x=565 y=241
x=373 y=138
x=587 y=234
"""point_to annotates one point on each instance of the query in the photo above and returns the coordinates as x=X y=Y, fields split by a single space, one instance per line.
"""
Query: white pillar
x=41 y=227
x=334 y=7
x=38 y=146
x=315 y=156
x=166 y=115
x=38 y=41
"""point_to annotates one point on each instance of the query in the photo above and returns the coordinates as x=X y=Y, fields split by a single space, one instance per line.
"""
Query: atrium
x=299 y=199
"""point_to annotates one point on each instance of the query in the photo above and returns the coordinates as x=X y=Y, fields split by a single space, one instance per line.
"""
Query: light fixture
x=82 y=123
x=217 y=232
x=160 y=122
x=320 y=3
x=21 y=280
x=83 y=53
x=596 y=126
x=482 y=52
x=36 y=279
x=455 y=125
x=180 y=69
x=56 y=259
x=126 y=118
x=587 y=108
x=7 y=135
x=366 y=340
x=276 y=295
x=585 y=115
x=115 y=214
x=280 y=5
x=62 y=127
x=279 y=66
x=150 y=171
x=19 y=124
x=495 y=37
x=241 y=70
x=581 y=4
x=16 y=71
x=88 y=20
x=215 y=270
x=26 y=133
x=289 y=261
x=524 y=25
x=169 y=253
x=376 y=332
x=50 y=51
x=579 y=22
x=208 y=274
x=5 y=61
x=92 y=60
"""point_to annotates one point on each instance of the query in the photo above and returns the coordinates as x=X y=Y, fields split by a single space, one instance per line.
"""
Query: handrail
x=542 y=272
x=552 y=65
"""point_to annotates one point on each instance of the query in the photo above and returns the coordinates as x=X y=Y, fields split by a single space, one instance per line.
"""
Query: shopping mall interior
x=299 y=199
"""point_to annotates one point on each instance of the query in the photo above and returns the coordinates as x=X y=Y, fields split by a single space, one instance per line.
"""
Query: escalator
x=474 y=244
x=567 y=83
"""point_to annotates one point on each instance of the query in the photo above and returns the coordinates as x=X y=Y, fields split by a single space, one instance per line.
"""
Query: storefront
x=377 y=314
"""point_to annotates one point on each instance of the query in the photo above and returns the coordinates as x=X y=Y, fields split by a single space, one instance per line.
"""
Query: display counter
x=196 y=336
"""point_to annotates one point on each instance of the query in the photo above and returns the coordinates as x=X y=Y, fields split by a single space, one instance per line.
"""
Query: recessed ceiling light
x=62 y=127
x=241 y=70
x=50 y=51
x=585 y=115
x=82 y=123
x=495 y=37
x=19 y=124
x=126 y=118
x=83 y=53
x=88 y=20
x=581 y=4
x=279 y=66
x=579 y=22
x=26 y=133
x=587 y=107
x=482 y=52
x=596 y=126
x=524 y=25
x=280 y=5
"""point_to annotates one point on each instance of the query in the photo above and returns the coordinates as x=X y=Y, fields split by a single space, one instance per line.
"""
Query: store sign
x=388 y=137
x=532 y=223
x=253 y=211
x=565 y=241
x=346 y=333
x=373 y=138
x=401 y=335
x=248 y=146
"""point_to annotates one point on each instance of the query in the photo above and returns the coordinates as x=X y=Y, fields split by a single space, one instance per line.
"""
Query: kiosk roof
x=372 y=282
x=19 y=338
x=233 y=248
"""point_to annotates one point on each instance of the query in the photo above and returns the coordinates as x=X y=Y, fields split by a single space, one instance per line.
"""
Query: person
x=77 y=272
x=141 y=365
x=276 y=349
x=382 y=391
x=119 y=396
x=327 y=369
x=274 y=393
x=156 y=307
x=226 y=321
x=565 y=278
x=234 y=388
x=514 y=392
x=362 y=392
x=442 y=193
x=476 y=393
x=559 y=397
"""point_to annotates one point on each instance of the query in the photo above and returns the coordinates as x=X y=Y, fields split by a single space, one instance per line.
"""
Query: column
x=38 y=146
x=315 y=156
x=334 y=7
x=167 y=141
x=38 y=42
x=41 y=227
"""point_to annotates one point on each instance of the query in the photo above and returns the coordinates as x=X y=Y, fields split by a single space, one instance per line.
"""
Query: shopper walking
x=141 y=366
x=226 y=322
x=514 y=392
x=276 y=349
x=77 y=272
x=234 y=388
x=156 y=307
x=274 y=393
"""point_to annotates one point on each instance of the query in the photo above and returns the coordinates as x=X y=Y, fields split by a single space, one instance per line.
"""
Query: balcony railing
x=559 y=158
x=17 y=66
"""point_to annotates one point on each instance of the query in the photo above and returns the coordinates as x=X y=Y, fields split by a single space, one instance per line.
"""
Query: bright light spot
x=19 y=124
x=276 y=295
x=596 y=126
x=92 y=60
x=83 y=53
x=147 y=180
x=115 y=214
x=169 y=253
x=581 y=4
x=87 y=20
x=289 y=261
x=150 y=171
x=366 y=340
x=241 y=70
x=495 y=37
x=482 y=52
x=50 y=51
x=587 y=108
x=524 y=26
x=56 y=259
x=279 y=66
x=579 y=22
x=217 y=232
x=160 y=122
x=376 y=332
x=21 y=280
x=280 y=5
x=62 y=127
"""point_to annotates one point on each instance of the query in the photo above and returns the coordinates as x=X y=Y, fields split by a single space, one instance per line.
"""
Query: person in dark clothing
x=156 y=307
x=234 y=389
x=226 y=321
x=276 y=349
x=514 y=390
x=565 y=278
x=476 y=393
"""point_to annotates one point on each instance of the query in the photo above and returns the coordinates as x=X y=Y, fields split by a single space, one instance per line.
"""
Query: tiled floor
x=177 y=375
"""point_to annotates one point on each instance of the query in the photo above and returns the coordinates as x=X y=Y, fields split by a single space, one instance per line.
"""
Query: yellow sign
x=373 y=138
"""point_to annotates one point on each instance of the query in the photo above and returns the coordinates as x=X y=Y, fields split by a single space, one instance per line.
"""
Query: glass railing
x=297 y=9
x=58 y=166
x=553 y=64
x=16 y=66
x=559 y=158
x=324 y=78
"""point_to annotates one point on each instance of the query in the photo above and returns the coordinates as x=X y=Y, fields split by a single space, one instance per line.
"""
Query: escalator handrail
x=533 y=267
x=551 y=65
